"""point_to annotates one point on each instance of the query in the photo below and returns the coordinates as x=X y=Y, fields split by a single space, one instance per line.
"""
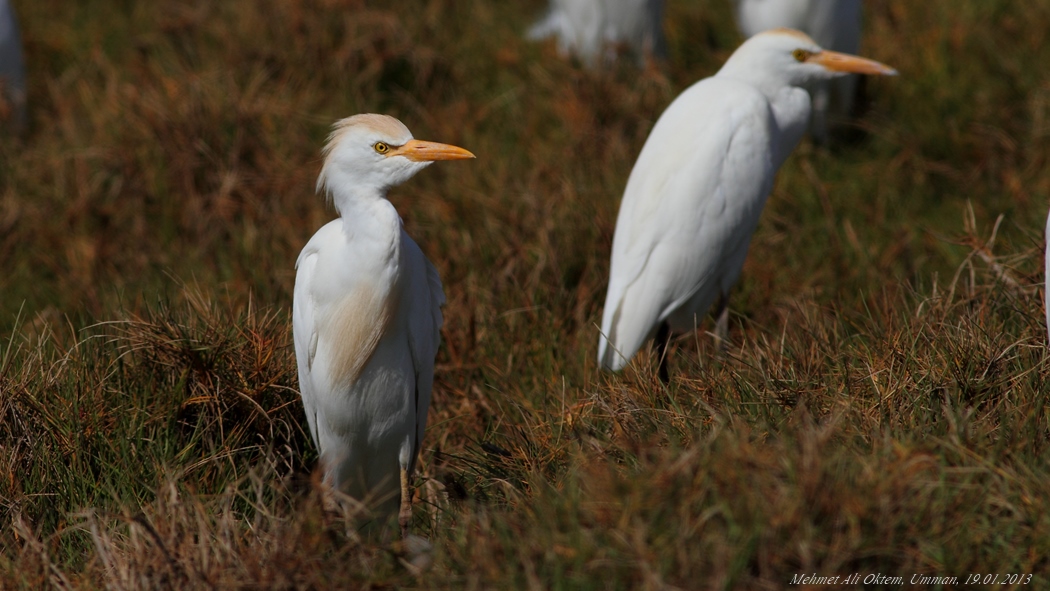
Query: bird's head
x=375 y=152
x=787 y=57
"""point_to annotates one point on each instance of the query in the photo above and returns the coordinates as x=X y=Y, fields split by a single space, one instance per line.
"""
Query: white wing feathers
x=304 y=332
x=690 y=207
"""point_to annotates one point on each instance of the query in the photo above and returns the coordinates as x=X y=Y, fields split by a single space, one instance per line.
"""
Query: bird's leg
x=663 y=339
x=722 y=324
x=404 y=516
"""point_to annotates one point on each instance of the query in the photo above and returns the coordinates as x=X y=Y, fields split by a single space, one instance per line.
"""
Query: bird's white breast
x=350 y=329
x=353 y=292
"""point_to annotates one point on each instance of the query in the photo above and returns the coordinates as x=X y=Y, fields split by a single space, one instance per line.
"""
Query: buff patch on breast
x=351 y=332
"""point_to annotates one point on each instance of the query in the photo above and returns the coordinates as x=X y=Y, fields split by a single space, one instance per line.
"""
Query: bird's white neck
x=367 y=215
x=791 y=108
x=789 y=102
x=743 y=69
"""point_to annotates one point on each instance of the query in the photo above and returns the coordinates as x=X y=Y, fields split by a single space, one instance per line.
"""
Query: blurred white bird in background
x=366 y=315
x=12 y=69
x=593 y=29
x=695 y=194
x=1046 y=276
x=833 y=24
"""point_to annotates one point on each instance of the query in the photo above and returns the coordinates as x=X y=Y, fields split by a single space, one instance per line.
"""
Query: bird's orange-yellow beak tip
x=421 y=151
x=844 y=62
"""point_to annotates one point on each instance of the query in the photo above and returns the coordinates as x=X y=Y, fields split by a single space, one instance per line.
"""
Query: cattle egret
x=591 y=29
x=695 y=194
x=833 y=24
x=366 y=314
x=12 y=68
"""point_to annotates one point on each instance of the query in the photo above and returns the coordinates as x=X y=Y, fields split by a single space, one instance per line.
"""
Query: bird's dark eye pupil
x=800 y=54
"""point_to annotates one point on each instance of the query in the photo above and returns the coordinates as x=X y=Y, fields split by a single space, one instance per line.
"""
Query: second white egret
x=695 y=194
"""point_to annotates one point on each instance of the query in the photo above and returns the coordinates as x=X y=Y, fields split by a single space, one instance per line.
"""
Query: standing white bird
x=591 y=29
x=12 y=68
x=695 y=194
x=366 y=315
x=833 y=24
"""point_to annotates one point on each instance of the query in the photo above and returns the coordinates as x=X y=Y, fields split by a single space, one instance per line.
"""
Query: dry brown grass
x=883 y=407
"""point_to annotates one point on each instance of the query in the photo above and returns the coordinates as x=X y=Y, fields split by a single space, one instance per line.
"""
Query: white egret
x=591 y=29
x=695 y=194
x=12 y=67
x=366 y=314
x=833 y=24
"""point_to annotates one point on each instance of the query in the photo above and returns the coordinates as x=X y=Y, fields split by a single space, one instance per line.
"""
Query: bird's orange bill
x=844 y=62
x=420 y=151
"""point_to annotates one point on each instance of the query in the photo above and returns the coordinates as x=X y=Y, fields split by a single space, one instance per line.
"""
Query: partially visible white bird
x=366 y=315
x=1046 y=277
x=833 y=24
x=12 y=67
x=695 y=194
x=592 y=29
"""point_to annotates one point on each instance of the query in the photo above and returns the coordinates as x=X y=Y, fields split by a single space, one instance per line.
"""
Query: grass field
x=883 y=407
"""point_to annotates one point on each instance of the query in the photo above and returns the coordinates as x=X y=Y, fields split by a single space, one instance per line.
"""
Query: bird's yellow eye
x=381 y=148
x=800 y=55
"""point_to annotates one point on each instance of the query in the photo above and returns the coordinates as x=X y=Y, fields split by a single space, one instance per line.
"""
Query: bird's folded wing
x=690 y=205
x=304 y=333
x=422 y=299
